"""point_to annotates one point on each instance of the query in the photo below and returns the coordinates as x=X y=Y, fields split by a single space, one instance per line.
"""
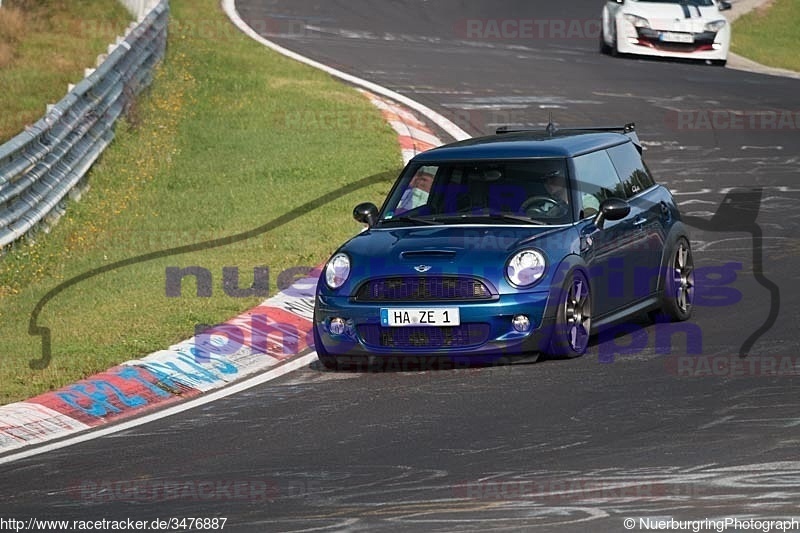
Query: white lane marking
x=702 y=246
x=448 y=126
x=696 y=201
x=676 y=192
x=748 y=147
x=190 y=404
x=717 y=422
x=528 y=99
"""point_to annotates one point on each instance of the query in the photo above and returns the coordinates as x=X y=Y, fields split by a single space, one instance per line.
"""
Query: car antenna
x=551 y=128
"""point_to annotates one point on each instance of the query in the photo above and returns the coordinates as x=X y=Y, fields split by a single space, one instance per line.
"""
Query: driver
x=555 y=203
x=556 y=186
x=555 y=183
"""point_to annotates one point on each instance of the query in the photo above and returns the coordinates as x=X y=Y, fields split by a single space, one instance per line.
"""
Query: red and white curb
x=264 y=338
x=255 y=347
x=413 y=134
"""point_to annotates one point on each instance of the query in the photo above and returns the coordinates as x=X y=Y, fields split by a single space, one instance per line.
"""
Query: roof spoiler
x=628 y=129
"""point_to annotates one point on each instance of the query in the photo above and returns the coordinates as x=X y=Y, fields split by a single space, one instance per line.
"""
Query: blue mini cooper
x=516 y=244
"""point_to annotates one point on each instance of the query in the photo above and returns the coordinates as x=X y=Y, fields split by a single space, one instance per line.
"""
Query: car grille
x=424 y=337
x=675 y=47
x=421 y=288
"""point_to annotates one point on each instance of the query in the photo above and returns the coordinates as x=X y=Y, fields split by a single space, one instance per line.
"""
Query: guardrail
x=42 y=165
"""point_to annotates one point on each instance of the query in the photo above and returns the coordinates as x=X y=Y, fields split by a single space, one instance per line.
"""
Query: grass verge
x=229 y=137
x=46 y=44
x=770 y=34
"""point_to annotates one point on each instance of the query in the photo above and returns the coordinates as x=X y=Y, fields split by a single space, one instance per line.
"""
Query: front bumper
x=485 y=334
x=645 y=41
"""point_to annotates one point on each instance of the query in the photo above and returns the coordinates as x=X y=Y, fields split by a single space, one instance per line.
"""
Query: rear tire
x=677 y=293
x=573 y=324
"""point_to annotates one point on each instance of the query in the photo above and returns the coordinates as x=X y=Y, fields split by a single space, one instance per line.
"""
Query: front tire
x=604 y=48
x=573 y=324
x=614 y=44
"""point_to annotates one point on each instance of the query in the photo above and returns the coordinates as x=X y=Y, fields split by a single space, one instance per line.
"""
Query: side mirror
x=611 y=209
x=723 y=5
x=366 y=213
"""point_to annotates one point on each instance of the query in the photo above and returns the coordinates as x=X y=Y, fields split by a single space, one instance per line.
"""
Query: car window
x=417 y=190
x=596 y=180
x=631 y=169
x=472 y=192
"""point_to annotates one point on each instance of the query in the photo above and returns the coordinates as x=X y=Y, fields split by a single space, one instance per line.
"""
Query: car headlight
x=337 y=270
x=639 y=22
x=525 y=268
x=715 y=26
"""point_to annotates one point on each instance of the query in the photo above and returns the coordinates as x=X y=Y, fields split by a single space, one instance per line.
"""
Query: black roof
x=525 y=144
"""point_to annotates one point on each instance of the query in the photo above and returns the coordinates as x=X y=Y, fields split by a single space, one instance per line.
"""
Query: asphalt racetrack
x=576 y=445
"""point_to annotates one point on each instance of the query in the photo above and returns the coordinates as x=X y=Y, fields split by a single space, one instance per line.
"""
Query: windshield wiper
x=516 y=218
x=441 y=219
x=492 y=216
x=415 y=220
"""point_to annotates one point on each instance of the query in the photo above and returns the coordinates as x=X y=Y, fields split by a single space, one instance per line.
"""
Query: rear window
x=631 y=169
x=595 y=176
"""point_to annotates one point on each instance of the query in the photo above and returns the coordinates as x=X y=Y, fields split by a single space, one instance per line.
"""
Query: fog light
x=521 y=323
x=337 y=326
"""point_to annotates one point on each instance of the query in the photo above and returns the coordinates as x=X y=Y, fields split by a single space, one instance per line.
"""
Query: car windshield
x=702 y=3
x=531 y=191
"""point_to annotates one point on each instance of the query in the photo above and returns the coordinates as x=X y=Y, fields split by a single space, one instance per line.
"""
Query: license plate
x=417 y=316
x=672 y=37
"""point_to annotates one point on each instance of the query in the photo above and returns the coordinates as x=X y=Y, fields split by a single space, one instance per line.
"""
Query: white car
x=693 y=29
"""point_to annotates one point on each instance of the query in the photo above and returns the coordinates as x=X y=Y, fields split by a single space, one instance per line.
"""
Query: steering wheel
x=544 y=205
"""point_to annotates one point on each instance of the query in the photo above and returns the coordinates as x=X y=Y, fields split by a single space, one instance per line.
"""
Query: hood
x=675 y=16
x=466 y=250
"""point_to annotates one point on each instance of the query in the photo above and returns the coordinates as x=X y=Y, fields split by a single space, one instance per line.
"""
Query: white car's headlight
x=639 y=22
x=337 y=270
x=525 y=268
x=715 y=26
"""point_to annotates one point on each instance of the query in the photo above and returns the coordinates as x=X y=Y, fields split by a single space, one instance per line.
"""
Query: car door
x=610 y=252
x=647 y=215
